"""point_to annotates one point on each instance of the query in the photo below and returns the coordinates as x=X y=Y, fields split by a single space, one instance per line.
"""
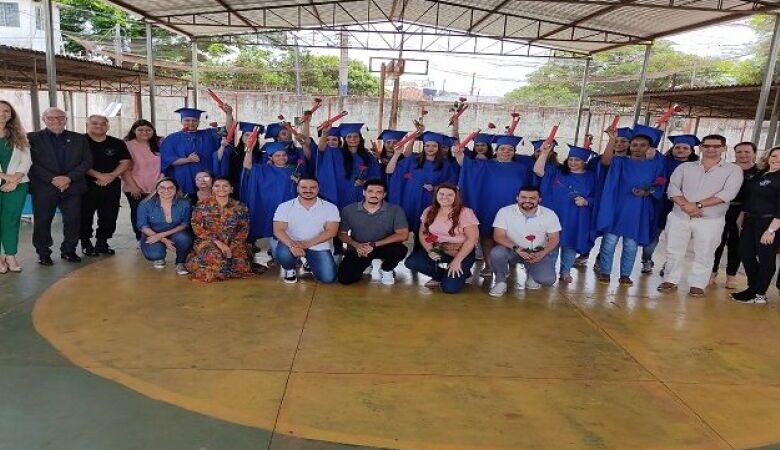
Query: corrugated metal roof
x=583 y=26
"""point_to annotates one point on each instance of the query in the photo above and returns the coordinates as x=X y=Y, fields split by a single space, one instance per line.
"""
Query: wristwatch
x=699 y=205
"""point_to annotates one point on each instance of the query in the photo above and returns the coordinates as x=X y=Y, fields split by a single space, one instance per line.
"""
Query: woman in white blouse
x=15 y=162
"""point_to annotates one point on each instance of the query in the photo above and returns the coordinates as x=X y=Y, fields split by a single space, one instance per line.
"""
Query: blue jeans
x=321 y=262
x=182 y=240
x=568 y=255
x=627 y=257
x=419 y=261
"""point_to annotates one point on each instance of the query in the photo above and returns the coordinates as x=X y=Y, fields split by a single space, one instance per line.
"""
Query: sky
x=496 y=77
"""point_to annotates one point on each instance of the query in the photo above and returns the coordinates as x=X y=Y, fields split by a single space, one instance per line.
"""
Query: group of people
x=331 y=197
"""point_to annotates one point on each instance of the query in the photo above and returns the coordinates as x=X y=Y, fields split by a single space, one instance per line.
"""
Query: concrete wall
x=535 y=122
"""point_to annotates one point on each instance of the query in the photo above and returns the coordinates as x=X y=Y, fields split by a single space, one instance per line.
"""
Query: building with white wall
x=22 y=23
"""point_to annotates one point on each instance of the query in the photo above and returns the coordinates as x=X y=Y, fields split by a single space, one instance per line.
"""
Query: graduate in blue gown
x=482 y=147
x=413 y=180
x=342 y=171
x=230 y=164
x=627 y=208
x=682 y=151
x=388 y=139
x=266 y=185
x=277 y=132
x=550 y=163
x=489 y=185
x=189 y=151
x=572 y=195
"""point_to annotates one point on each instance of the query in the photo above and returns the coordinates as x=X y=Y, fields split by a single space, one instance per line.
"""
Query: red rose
x=301 y=162
x=530 y=237
x=408 y=176
x=491 y=125
x=660 y=181
x=462 y=99
x=431 y=238
x=317 y=99
x=280 y=117
x=424 y=112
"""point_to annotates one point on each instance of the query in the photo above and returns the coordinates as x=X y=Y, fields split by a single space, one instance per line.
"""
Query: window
x=9 y=14
x=39 y=17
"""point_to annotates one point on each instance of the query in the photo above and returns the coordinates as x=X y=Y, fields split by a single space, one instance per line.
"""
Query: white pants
x=705 y=233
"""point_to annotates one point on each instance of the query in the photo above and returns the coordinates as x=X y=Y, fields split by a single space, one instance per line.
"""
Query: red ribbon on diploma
x=551 y=136
x=329 y=123
x=513 y=124
x=216 y=98
x=231 y=134
x=614 y=124
x=252 y=139
x=409 y=136
x=468 y=139
x=667 y=115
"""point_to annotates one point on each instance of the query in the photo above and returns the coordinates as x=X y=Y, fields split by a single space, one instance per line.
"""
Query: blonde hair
x=14 y=130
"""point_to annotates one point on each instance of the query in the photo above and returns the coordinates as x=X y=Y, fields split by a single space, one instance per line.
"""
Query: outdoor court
x=115 y=355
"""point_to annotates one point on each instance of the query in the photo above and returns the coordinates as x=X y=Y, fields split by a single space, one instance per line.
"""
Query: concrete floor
x=116 y=355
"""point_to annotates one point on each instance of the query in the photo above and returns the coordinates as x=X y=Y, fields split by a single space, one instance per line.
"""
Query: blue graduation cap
x=654 y=134
x=347 y=128
x=506 y=139
x=580 y=152
x=689 y=139
x=539 y=142
x=485 y=138
x=272 y=147
x=625 y=132
x=248 y=127
x=392 y=135
x=441 y=139
x=189 y=112
x=272 y=130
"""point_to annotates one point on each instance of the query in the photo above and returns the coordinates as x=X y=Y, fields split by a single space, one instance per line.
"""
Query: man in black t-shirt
x=104 y=188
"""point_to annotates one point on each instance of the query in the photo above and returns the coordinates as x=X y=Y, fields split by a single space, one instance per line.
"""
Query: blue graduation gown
x=576 y=221
x=488 y=186
x=263 y=188
x=335 y=186
x=294 y=154
x=406 y=186
x=623 y=213
x=179 y=145
x=545 y=183
x=665 y=205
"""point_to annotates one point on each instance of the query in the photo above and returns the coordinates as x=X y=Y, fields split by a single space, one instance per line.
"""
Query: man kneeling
x=372 y=229
x=525 y=233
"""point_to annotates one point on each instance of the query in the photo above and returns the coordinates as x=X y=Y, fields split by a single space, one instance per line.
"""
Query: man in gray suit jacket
x=60 y=160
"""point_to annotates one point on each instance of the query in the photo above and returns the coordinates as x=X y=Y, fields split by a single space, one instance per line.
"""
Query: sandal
x=3 y=267
x=13 y=266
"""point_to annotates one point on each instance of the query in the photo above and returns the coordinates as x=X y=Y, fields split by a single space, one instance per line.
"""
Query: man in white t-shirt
x=525 y=233
x=305 y=226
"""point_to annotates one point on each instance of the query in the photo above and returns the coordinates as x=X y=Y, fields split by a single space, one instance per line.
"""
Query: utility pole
x=117 y=46
x=473 y=79
x=343 y=68
x=298 y=86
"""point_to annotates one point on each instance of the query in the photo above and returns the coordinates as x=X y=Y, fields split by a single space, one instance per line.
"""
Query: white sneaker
x=375 y=270
x=290 y=276
x=181 y=270
x=498 y=290
x=388 y=277
x=531 y=284
x=159 y=264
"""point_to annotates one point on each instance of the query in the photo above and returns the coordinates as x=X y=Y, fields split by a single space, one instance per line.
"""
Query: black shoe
x=45 y=260
x=103 y=248
x=743 y=296
x=71 y=257
x=87 y=249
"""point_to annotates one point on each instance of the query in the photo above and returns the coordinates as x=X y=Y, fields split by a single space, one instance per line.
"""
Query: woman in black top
x=759 y=240
x=745 y=157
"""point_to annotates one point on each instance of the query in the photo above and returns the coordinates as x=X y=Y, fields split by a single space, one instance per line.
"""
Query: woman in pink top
x=448 y=235
x=138 y=183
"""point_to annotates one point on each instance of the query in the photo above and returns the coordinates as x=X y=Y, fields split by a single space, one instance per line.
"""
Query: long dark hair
x=154 y=141
x=433 y=211
x=349 y=161
x=14 y=130
x=691 y=157
x=438 y=160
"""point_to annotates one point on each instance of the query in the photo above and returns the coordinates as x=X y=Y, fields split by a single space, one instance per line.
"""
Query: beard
x=527 y=206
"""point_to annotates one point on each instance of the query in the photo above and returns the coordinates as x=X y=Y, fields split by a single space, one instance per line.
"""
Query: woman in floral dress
x=220 y=225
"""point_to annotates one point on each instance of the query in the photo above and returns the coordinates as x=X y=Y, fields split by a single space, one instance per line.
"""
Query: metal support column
x=35 y=102
x=640 y=91
x=769 y=72
x=298 y=85
x=70 y=109
x=770 y=136
x=581 y=102
x=195 y=81
x=696 y=126
x=381 y=114
x=150 y=71
x=51 y=61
